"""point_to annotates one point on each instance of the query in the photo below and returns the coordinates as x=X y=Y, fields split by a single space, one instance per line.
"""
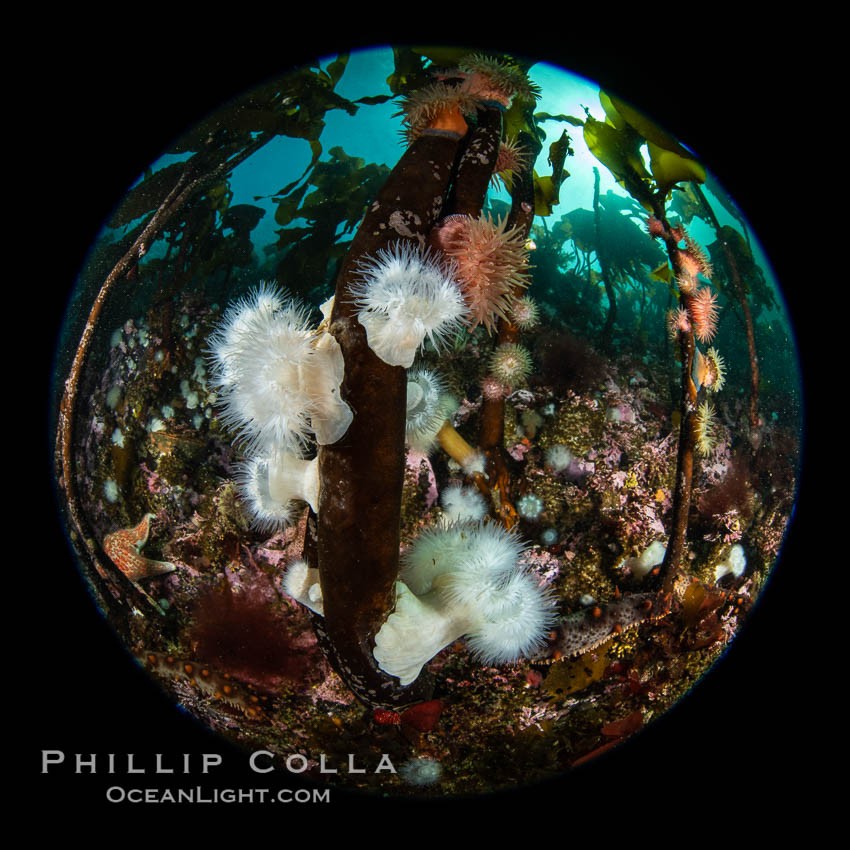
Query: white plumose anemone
x=330 y=416
x=225 y=341
x=428 y=407
x=269 y=486
x=267 y=402
x=462 y=580
x=301 y=582
x=558 y=457
x=513 y=623
x=463 y=504
x=404 y=296
x=734 y=563
x=476 y=547
x=650 y=558
x=278 y=380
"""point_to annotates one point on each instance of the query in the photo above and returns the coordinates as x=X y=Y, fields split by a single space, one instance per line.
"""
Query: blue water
x=372 y=134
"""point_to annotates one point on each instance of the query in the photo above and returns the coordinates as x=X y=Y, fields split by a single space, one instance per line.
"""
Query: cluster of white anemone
x=463 y=579
x=404 y=295
x=278 y=384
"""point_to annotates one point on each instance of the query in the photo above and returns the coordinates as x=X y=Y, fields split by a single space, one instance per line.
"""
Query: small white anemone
x=735 y=563
x=301 y=582
x=558 y=457
x=461 y=580
x=269 y=486
x=473 y=463
x=549 y=536
x=461 y=504
x=404 y=296
x=650 y=558
x=421 y=771
x=529 y=506
x=428 y=407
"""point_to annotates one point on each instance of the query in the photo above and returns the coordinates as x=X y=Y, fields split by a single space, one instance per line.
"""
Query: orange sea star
x=123 y=547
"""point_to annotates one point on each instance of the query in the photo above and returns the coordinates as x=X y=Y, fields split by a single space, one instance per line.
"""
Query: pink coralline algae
x=153 y=481
x=579 y=469
x=284 y=546
x=545 y=566
x=618 y=479
x=621 y=413
x=642 y=522
x=418 y=463
x=731 y=529
x=273 y=557
x=518 y=451
x=608 y=455
x=332 y=690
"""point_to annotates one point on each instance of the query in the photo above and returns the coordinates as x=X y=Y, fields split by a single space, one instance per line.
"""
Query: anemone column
x=362 y=474
x=475 y=171
x=687 y=439
x=492 y=422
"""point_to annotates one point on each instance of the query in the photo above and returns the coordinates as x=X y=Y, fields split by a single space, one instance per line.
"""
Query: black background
x=747 y=733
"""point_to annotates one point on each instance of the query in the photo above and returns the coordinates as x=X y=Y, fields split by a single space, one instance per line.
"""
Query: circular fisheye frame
x=429 y=417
